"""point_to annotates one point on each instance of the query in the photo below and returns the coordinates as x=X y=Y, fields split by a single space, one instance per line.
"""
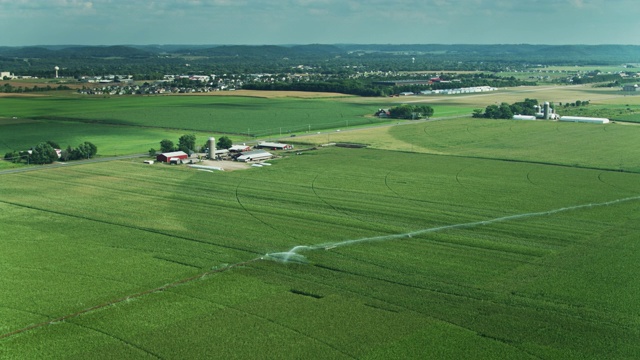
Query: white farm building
x=256 y=155
x=274 y=146
x=524 y=117
x=582 y=119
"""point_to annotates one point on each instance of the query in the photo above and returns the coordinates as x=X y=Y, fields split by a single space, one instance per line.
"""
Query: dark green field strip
x=220 y=114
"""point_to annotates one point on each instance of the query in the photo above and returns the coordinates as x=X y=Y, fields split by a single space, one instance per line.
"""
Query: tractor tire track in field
x=127 y=298
x=529 y=178
x=547 y=188
x=420 y=201
x=428 y=315
x=408 y=309
x=466 y=188
x=296 y=331
x=313 y=188
x=25 y=311
x=612 y=185
x=256 y=217
x=266 y=319
x=22 y=268
x=149 y=230
x=119 y=339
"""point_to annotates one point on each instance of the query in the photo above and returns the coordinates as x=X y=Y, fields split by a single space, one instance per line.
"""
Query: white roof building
x=274 y=145
x=256 y=155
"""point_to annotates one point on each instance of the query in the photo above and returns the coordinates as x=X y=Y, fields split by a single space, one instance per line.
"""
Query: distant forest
x=153 y=61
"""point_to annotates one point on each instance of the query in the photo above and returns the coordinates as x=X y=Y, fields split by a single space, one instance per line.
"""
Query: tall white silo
x=547 y=113
x=212 y=148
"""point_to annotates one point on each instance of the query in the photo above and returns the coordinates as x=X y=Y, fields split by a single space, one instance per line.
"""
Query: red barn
x=176 y=156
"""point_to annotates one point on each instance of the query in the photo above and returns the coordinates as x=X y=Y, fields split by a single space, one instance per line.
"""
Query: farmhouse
x=256 y=155
x=383 y=113
x=630 y=87
x=274 y=146
x=175 y=156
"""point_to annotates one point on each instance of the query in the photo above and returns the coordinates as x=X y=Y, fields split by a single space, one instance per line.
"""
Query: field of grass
x=621 y=112
x=611 y=146
x=460 y=238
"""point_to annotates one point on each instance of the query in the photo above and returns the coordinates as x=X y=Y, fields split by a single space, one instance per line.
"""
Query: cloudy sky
x=110 y=22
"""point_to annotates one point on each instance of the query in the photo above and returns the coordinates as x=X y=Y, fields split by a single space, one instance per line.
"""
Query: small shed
x=176 y=156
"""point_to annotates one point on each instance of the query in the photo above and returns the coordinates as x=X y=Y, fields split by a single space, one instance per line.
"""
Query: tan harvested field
x=377 y=137
x=556 y=94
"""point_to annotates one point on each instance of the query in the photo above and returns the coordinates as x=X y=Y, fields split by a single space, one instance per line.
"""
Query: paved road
x=71 y=163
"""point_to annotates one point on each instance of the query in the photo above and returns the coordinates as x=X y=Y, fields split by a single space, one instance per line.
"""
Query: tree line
x=407 y=111
x=8 y=88
x=506 y=111
x=187 y=144
x=46 y=153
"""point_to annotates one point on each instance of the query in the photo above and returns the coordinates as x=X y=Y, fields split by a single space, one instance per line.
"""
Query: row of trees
x=407 y=111
x=187 y=143
x=526 y=107
x=8 y=88
x=506 y=111
x=45 y=153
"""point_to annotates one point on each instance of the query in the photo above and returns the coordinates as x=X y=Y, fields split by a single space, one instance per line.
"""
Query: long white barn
x=583 y=119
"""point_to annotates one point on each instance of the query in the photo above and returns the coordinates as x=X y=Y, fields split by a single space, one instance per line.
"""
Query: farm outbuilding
x=256 y=155
x=274 y=146
x=175 y=156
x=582 y=119
x=239 y=148
x=524 y=117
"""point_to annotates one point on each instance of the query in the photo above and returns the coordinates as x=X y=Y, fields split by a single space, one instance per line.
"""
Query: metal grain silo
x=212 y=148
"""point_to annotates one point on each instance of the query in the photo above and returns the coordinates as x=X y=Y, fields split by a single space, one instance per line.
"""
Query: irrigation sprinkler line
x=293 y=254
x=127 y=298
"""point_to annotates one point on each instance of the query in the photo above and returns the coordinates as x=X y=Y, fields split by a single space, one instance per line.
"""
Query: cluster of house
x=117 y=86
x=145 y=90
x=242 y=153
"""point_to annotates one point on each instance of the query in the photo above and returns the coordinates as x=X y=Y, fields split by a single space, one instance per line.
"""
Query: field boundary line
x=149 y=230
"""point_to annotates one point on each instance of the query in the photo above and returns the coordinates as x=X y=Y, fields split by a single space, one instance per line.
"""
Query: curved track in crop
x=345 y=213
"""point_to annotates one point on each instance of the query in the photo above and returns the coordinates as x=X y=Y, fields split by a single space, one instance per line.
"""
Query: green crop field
x=460 y=238
x=235 y=115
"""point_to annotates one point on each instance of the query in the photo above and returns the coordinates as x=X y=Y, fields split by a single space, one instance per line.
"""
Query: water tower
x=212 y=148
x=56 y=69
